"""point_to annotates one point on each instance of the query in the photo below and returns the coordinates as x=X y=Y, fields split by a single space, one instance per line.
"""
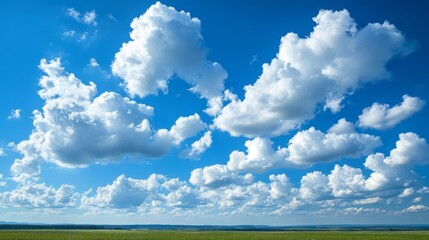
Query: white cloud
x=407 y=192
x=396 y=170
x=342 y=127
x=281 y=187
x=15 y=114
x=75 y=128
x=38 y=195
x=93 y=63
x=143 y=194
x=88 y=18
x=304 y=149
x=367 y=201
x=77 y=36
x=218 y=175
x=2 y=152
x=314 y=186
x=346 y=181
x=165 y=42
x=71 y=12
x=186 y=127
x=415 y=208
x=382 y=117
x=199 y=146
x=423 y=190
x=312 y=146
x=330 y=64
x=2 y=183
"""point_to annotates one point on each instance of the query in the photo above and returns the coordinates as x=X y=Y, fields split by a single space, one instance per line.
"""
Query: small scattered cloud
x=15 y=114
x=198 y=147
x=88 y=18
x=415 y=208
x=74 y=35
x=110 y=16
x=382 y=116
x=93 y=63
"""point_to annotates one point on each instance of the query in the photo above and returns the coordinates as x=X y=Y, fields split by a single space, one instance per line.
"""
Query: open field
x=215 y=235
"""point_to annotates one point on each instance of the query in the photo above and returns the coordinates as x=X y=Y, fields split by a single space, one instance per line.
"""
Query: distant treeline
x=23 y=226
x=54 y=226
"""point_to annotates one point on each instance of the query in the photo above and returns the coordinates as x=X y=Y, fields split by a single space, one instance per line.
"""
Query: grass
x=204 y=235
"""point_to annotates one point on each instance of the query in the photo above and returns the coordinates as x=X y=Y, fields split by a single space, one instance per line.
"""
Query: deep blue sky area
x=214 y=112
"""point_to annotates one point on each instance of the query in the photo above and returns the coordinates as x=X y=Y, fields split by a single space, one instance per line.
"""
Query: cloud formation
x=76 y=128
x=38 y=195
x=88 y=18
x=304 y=149
x=382 y=116
x=198 y=147
x=218 y=175
x=15 y=114
x=331 y=63
x=395 y=170
x=143 y=194
x=164 y=43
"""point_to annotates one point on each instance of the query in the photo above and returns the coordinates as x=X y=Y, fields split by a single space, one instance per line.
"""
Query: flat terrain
x=191 y=235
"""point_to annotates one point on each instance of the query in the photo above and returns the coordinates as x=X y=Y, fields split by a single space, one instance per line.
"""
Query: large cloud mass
x=165 y=42
x=324 y=67
x=75 y=128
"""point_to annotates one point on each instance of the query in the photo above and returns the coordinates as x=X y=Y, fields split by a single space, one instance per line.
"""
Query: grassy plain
x=205 y=235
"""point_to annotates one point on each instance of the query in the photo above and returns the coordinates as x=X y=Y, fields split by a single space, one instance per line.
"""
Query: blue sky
x=212 y=112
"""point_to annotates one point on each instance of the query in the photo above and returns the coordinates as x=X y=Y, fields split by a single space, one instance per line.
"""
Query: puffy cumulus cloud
x=407 y=192
x=346 y=181
x=75 y=128
x=186 y=127
x=240 y=199
x=260 y=157
x=304 y=149
x=312 y=146
x=165 y=42
x=333 y=61
x=38 y=195
x=342 y=127
x=396 y=170
x=218 y=175
x=314 y=187
x=198 y=147
x=141 y=194
x=382 y=116
x=281 y=187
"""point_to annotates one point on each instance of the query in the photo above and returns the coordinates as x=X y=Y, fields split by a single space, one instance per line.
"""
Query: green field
x=191 y=235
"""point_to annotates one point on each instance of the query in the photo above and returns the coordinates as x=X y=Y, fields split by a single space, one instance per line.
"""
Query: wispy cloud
x=15 y=114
